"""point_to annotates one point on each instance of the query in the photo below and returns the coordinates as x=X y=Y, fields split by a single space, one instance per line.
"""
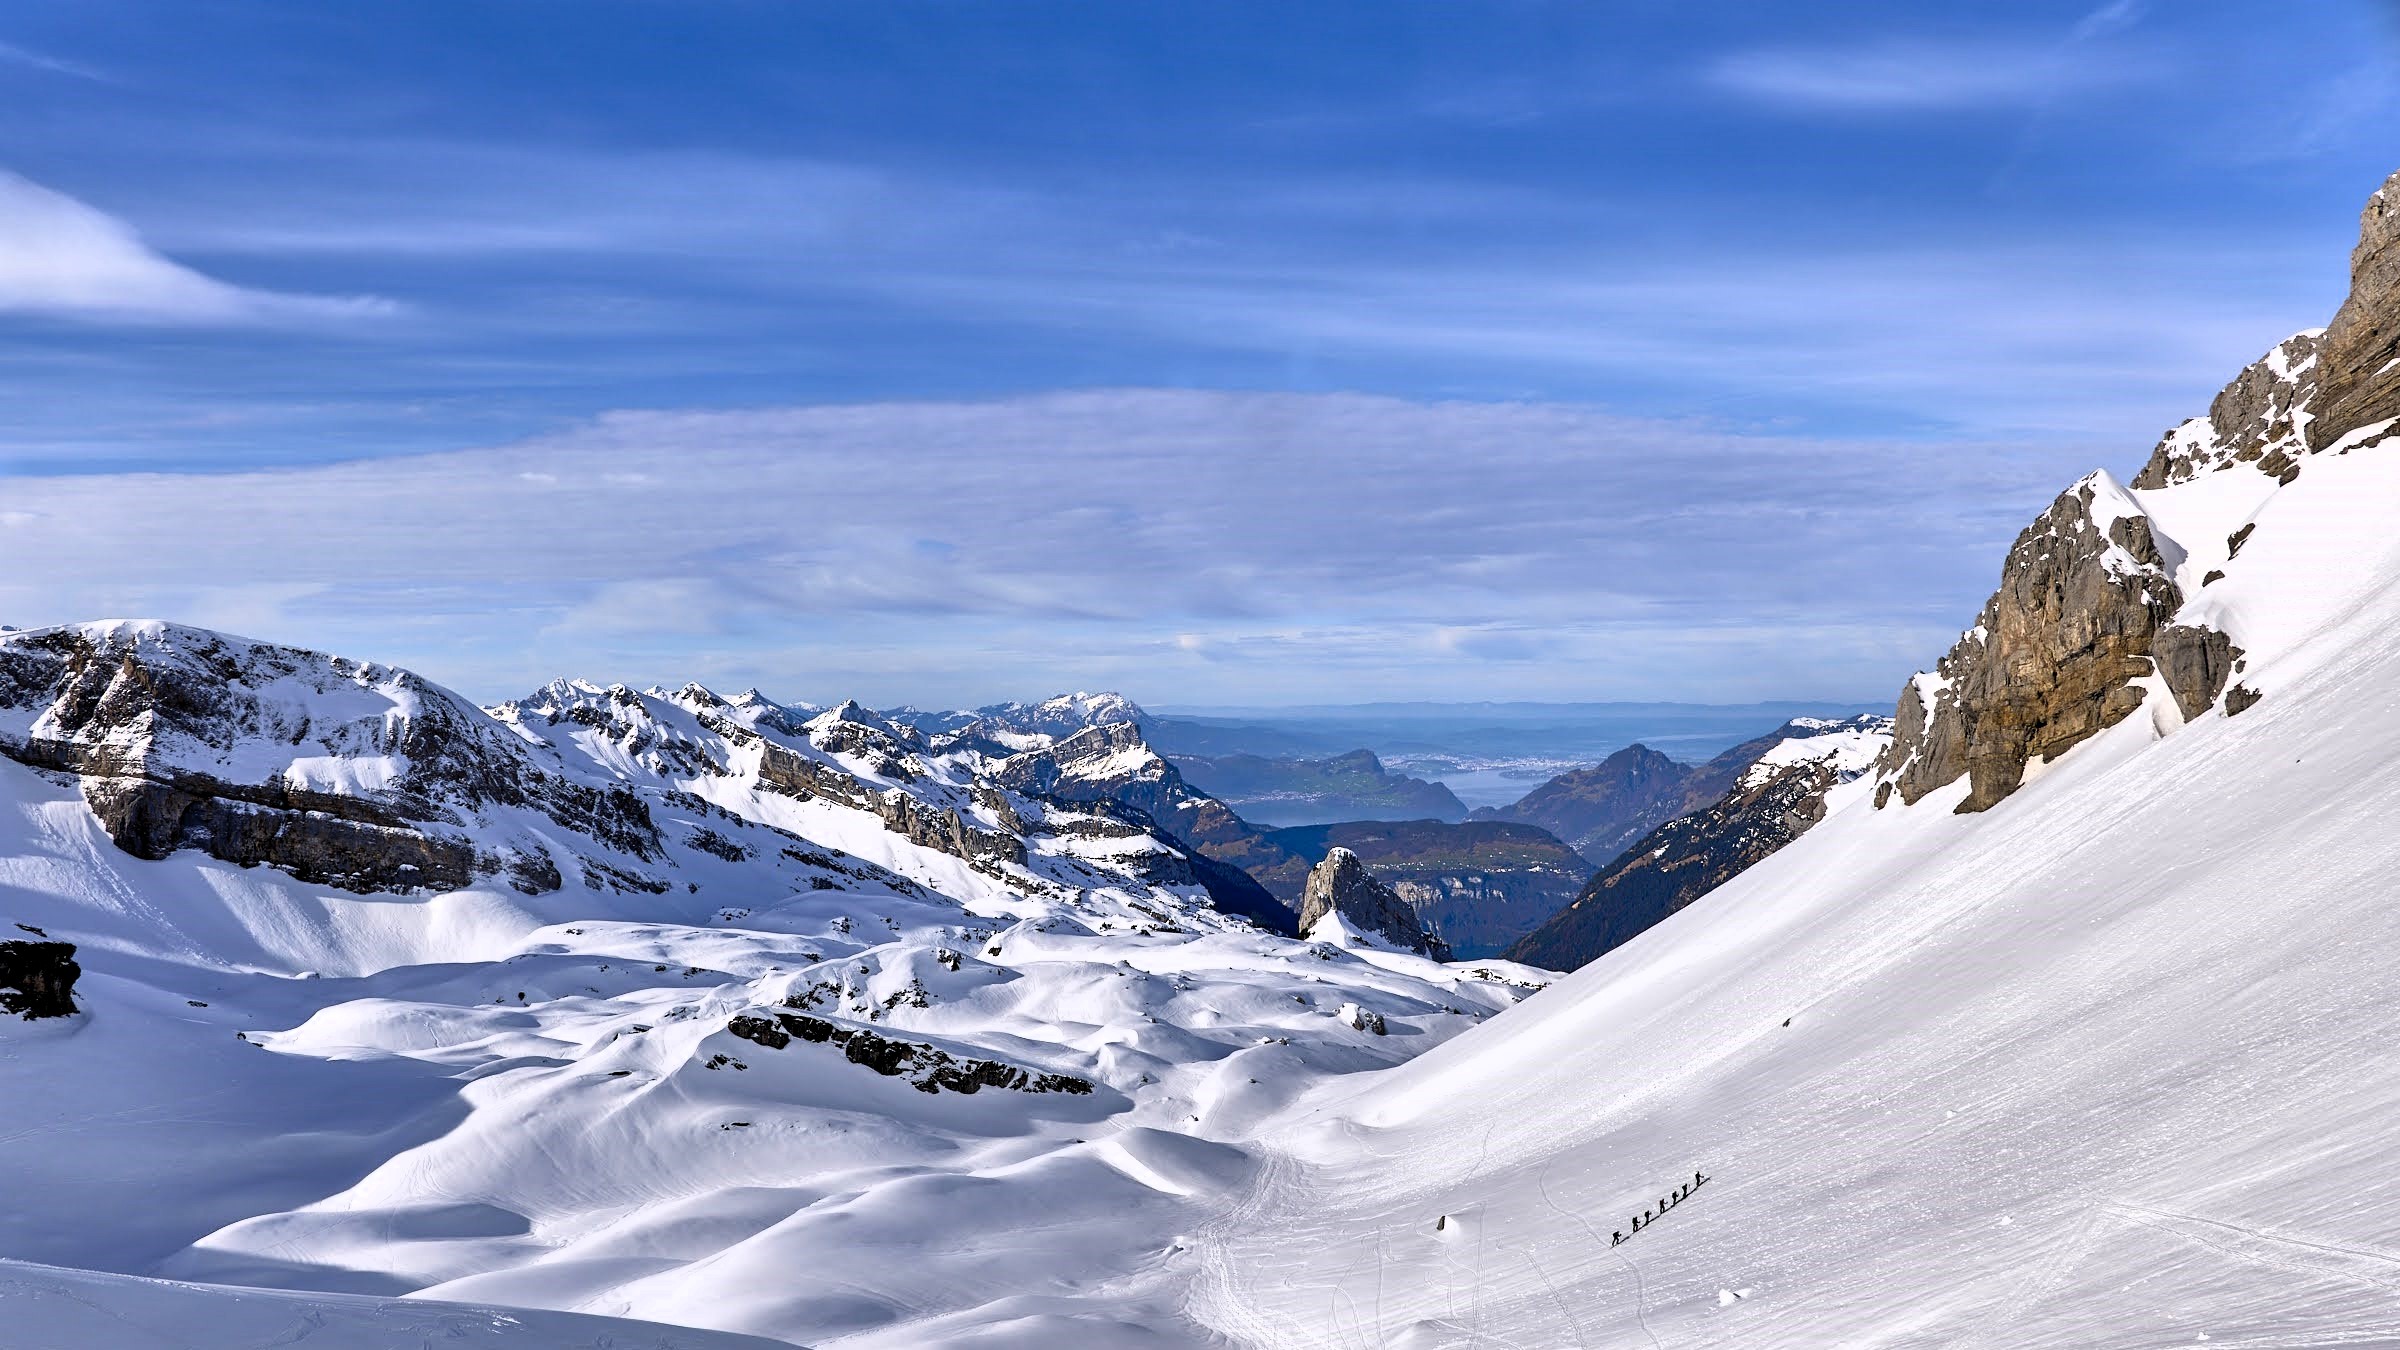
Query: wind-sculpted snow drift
x=2082 y=1039
x=653 y=1004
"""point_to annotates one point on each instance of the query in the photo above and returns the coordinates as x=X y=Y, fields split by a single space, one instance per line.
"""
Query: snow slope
x=46 y=1308
x=2107 y=1065
x=843 y=1045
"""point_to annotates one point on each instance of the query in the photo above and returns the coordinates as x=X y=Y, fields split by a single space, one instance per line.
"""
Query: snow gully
x=1650 y=1216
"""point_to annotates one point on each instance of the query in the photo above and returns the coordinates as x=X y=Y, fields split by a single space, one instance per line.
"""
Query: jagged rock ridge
x=1341 y=886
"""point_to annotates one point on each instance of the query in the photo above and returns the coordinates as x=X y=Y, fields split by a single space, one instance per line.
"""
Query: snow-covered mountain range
x=655 y=1004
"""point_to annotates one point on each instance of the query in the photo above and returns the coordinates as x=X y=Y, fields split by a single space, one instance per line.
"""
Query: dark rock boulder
x=1341 y=884
x=923 y=1067
x=37 y=979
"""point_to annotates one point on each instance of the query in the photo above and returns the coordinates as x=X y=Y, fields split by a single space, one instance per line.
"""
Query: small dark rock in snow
x=37 y=979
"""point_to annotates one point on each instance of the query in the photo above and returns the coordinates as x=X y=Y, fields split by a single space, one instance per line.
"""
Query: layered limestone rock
x=2335 y=388
x=2084 y=599
x=2361 y=380
x=1341 y=884
x=338 y=772
x=2262 y=418
x=37 y=979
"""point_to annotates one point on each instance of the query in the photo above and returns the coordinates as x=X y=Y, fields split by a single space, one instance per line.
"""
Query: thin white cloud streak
x=12 y=54
x=1189 y=545
x=61 y=257
x=1912 y=75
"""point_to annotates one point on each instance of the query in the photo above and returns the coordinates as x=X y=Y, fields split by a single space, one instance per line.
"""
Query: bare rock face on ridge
x=2333 y=389
x=1342 y=885
x=2088 y=598
x=2052 y=659
x=339 y=772
x=2361 y=381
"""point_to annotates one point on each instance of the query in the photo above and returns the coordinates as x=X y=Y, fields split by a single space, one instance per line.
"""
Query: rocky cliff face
x=2055 y=657
x=338 y=772
x=2333 y=389
x=2094 y=609
x=1341 y=885
x=2360 y=386
x=1782 y=793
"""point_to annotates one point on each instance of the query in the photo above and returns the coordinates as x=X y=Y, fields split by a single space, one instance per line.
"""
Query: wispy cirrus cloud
x=1901 y=74
x=14 y=55
x=62 y=257
x=1905 y=75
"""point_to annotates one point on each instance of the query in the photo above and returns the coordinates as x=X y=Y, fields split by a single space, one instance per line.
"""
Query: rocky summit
x=1342 y=890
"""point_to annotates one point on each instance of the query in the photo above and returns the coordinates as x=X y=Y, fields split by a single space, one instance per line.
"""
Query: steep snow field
x=2112 y=1064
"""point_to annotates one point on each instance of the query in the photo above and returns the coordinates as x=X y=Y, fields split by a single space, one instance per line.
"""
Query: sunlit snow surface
x=499 y=1099
x=2110 y=1065
x=46 y=1308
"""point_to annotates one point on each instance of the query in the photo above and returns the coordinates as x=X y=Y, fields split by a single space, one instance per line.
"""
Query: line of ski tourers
x=1650 y=1216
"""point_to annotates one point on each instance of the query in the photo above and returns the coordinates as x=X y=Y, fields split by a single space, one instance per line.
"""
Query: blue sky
x=1220 y=352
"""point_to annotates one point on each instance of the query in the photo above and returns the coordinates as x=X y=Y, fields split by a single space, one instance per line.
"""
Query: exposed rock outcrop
x=1479 y=884
x=37 y=979
x=342 y=772
x=2360 y=386
x=2053 y=658
x=2088 y=598
x=921 y=1066
x=1342 y=885
x=2333 y=388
